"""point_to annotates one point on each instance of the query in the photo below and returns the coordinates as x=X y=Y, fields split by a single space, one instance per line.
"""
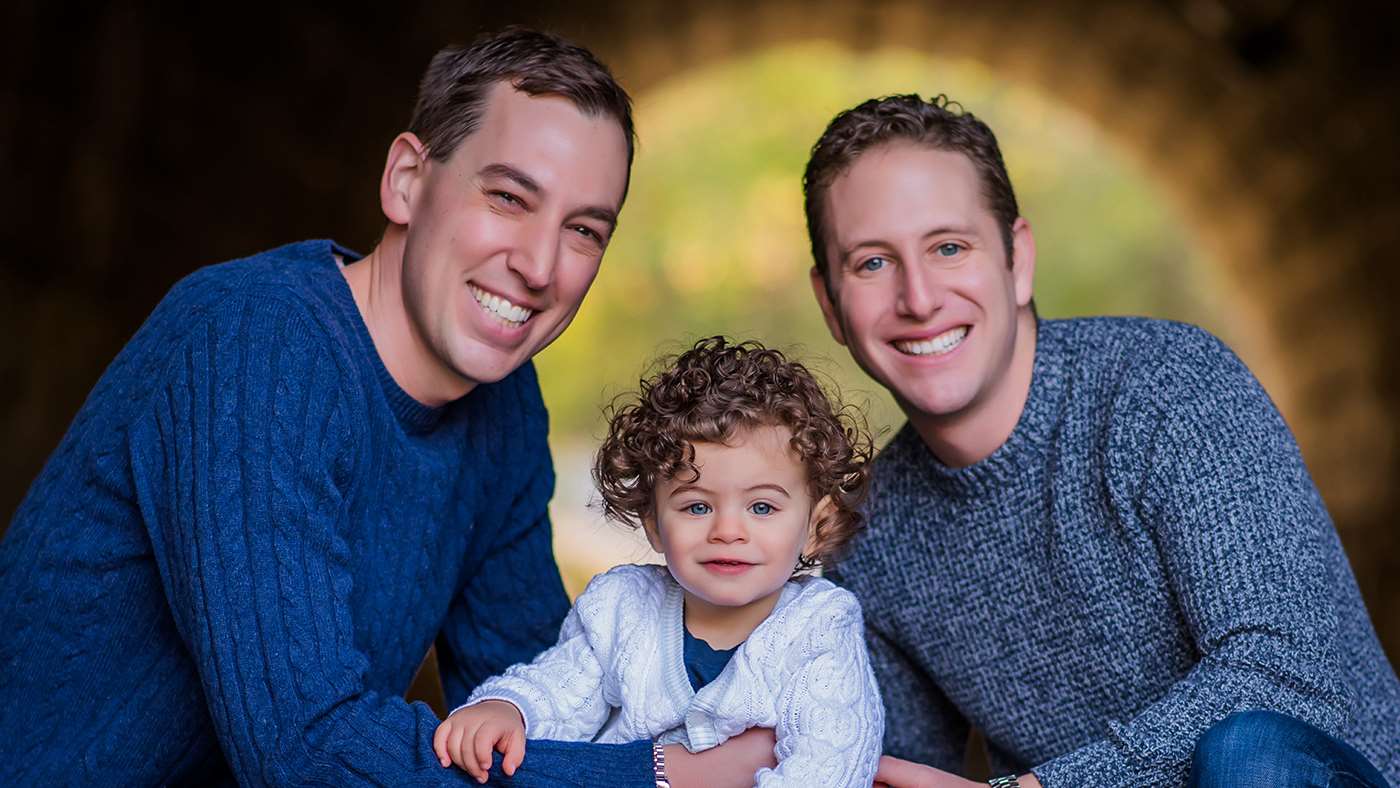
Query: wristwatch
x=658 y=765
x=1009 y=781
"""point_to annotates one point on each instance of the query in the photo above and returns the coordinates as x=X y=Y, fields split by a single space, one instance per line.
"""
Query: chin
x=485 y=365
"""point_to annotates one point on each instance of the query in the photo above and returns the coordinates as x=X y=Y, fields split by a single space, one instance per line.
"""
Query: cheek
x=576 y=275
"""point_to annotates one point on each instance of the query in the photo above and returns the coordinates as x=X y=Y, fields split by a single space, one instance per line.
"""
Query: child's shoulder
x=817 y=598
x=628 y=581
x=813 y=615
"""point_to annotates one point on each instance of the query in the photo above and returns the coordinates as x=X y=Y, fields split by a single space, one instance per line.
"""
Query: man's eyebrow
x=510 y=173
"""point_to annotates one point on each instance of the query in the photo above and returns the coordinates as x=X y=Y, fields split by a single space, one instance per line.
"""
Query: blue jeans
x=1265 y=748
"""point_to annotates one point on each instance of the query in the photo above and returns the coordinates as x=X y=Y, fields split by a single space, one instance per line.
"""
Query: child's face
x=732 y=536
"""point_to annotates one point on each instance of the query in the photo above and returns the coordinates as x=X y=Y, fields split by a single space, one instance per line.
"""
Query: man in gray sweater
x=1095 y=539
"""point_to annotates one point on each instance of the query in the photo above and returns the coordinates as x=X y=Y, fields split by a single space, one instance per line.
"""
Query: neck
x=973 y=433
x=377 y=285
x=726 y=627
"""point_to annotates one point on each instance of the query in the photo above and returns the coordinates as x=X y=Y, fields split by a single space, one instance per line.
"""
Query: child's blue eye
x=762 y=509
x=697 y=508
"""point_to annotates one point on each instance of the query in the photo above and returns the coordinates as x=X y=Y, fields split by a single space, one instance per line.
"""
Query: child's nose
x=728 y=528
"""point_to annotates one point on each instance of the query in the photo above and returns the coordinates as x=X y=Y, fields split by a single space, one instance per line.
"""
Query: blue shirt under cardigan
x=703 y=662
x=247 y=540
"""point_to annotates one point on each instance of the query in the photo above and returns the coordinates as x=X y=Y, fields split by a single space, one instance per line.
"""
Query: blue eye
x=762 y=509
x=697 y=508
x=872 y=264
x=948 y=249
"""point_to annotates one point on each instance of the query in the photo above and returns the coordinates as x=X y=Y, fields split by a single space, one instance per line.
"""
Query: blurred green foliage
x=712 y=239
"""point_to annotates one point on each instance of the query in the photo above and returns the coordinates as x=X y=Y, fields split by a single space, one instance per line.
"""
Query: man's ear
x=1022 y=260
x=833 y=321
x=817 y=542
x=403 y=170
x=650 y=529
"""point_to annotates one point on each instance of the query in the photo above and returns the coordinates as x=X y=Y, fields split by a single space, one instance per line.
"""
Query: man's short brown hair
x=707 y=394
x=453 y=93
x=937 y=123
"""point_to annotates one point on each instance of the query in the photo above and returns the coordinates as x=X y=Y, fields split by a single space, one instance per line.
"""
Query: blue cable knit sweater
x=1145 y=554
x=238 y=555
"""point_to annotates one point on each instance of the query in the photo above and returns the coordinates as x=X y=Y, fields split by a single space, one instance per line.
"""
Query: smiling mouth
x=727 y=567
x=507 y=313
x=942 y=344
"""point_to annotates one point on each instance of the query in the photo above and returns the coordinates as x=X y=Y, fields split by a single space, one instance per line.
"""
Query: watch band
x=658 y=765
x=1009 y=781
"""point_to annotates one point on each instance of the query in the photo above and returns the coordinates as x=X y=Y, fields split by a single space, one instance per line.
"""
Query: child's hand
x=468 y=736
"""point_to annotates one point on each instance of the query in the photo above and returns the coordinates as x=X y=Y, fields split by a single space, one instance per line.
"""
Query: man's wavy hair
x=707 y=394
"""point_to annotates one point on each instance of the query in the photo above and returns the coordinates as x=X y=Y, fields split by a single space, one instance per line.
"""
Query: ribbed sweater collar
x=1025 y=447
x=412 y=415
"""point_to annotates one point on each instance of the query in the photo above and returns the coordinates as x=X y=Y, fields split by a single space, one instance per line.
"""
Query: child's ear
x=822 y=512
x=653 y=535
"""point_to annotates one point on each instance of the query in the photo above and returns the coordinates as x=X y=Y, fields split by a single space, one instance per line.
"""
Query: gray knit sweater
x=1144 y=555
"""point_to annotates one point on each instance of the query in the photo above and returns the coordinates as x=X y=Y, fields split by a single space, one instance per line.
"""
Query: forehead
x=568 y=152
x=763 y=450
x=903 y=188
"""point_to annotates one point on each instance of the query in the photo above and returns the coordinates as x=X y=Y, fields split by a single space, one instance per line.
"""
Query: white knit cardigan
x=617 y=675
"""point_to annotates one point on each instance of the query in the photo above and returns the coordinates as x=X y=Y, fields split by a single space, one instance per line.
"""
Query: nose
x=535 y=256
x=920 y=292
x=728 y=529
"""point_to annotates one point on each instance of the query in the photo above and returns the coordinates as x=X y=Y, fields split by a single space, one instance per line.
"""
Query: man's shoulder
x=1133 y=339
x=1129 y=359
x=302 y=272
x=902 y=462
x=293 y=295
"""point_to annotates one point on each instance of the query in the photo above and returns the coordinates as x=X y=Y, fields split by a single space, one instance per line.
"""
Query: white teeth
x=935 y=346
x=507 y=312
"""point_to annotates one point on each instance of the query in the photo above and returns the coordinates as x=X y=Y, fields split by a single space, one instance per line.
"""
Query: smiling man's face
x=506 y=235
x=920 y=290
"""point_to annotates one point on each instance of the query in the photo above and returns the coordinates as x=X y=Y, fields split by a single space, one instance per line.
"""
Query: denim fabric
x=1268 y=749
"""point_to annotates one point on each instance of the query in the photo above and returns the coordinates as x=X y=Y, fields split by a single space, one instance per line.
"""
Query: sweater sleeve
x=512 y=601
x=236 y=466
x=829 y=715
x=1244 y=538
x=565 y=692
x=921 y=724
x=560 y=693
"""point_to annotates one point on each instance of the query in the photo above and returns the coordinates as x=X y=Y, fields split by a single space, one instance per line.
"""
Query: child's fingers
x=440 y=744
x=514 y=751
x=485 y=741
x=459 y=746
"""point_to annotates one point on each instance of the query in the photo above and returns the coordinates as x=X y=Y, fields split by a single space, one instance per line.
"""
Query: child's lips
x=727 y=566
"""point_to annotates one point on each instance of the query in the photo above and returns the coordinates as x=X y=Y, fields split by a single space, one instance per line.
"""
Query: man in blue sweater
x=1095 y=539
x=306 y=468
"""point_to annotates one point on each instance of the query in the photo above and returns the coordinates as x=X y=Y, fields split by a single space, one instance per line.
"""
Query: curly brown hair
x=709 y=392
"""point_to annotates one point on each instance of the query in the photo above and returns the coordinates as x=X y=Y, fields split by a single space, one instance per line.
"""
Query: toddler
x=741 y=473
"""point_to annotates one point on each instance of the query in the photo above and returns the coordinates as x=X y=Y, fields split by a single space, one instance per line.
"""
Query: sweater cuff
x=1097 y=764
